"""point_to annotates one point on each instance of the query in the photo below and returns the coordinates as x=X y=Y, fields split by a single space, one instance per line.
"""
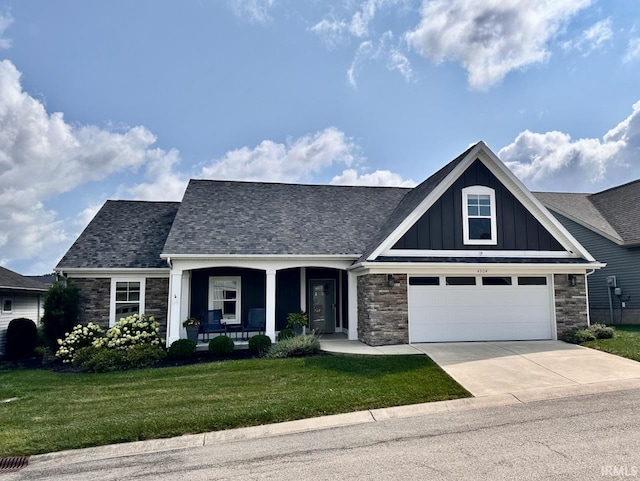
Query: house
x=607 y=223
x=20 y=296
x=469 y=254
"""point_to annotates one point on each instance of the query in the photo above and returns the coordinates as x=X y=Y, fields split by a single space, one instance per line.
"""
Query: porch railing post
x=270 y=307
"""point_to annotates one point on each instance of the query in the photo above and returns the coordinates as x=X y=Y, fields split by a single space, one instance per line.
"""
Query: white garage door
x=479 y=308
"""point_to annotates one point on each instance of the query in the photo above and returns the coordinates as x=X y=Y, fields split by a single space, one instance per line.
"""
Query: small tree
x=61 y=312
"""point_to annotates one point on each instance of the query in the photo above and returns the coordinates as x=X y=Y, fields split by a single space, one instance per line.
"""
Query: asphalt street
x=583 y=438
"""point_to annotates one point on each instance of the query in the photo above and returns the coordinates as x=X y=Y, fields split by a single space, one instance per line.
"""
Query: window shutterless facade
x=127 y=298
x=225 y=294
x=479 y=216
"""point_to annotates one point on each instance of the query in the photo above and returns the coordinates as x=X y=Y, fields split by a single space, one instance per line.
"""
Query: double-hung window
x=224 y=294
x=479 y=215
x=127 y=298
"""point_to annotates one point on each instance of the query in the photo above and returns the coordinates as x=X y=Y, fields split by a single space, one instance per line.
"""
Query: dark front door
x=322 y=312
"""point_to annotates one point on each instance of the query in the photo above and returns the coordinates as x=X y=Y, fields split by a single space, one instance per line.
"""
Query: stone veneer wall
x=95 y=297
x=383 y=311
x=571 y=304
x=156 y=299
x=94 y=300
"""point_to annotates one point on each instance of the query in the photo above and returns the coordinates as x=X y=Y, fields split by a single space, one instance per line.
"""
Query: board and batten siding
x=27 y=305
x=622 y=262
x=441 y=226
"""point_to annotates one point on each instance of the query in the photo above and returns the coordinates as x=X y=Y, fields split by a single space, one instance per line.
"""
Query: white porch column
x=352 y=284
x=303 y=289
x=175 y=302
x=270 y=306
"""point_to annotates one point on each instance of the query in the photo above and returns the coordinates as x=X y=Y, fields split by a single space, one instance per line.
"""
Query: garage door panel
x=479 y=313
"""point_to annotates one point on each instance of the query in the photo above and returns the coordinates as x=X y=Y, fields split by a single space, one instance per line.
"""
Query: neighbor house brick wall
x=156 y=300
x=94 y=300
x=383 y=316
x=571 y=304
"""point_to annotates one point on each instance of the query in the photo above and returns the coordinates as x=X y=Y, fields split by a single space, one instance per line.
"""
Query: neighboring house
x=607 y=223
x=20 y=296
x=469 y=254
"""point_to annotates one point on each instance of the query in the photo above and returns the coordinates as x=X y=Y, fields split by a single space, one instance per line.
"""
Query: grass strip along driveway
x=625 y=342
x=57 y=411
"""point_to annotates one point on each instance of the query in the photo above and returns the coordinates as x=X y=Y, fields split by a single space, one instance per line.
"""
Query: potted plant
x=297 y=321
x=192 y=325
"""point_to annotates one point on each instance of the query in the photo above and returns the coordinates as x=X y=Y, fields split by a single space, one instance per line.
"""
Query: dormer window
x=479 y=216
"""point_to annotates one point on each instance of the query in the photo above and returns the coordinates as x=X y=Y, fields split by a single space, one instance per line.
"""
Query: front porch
x=326 y=293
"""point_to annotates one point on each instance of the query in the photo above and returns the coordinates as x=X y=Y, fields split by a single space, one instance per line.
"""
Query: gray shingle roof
x=123 y=234
x=410 y=202
x=578 y=207
x=226 y=217
x=12 y=280
x=621 y=207
x=614 y=212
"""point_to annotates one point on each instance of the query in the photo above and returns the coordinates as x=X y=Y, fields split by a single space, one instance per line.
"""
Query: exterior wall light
x=390 y=280
x=572 y=280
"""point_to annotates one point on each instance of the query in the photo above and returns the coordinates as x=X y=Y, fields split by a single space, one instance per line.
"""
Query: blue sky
x=122 y=99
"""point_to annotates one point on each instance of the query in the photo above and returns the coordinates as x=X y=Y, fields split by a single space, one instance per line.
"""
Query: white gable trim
x=510 y=181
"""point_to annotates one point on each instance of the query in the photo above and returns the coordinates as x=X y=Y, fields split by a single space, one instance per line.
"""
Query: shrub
x=131 y=331
x=105 y=360
x=581 y=335
x=144 y=355
x=601 y=331
x=21 y=340
x=285 y=334
x=260 y=344
x=298 y=346
x=84 y=355
x=79 y=337
x=182 y=349
x=221 y=345
x=61 y=312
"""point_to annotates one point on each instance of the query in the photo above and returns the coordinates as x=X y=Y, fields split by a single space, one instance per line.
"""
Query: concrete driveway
x=486 y=368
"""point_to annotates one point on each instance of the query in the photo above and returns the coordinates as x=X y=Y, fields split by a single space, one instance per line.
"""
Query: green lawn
x=57 y=411
x=625 y=342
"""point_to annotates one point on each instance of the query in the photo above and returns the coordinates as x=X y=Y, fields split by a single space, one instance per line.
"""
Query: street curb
x=190 y=441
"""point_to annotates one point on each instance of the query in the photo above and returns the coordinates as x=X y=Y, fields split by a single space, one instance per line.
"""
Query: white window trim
x=112 y=303
x=238 y=281
x=478 y=190
x=10 y=311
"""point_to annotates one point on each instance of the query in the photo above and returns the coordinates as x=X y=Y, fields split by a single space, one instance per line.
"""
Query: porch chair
x=212 y=323
x=256 y=322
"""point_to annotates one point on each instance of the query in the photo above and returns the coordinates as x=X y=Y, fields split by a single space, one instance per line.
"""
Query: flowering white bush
x=131 y=331
x=81 y=336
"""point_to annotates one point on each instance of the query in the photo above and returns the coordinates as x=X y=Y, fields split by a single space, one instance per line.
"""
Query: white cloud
x=42 y=156
x=553 y=161
x=255 y=11
x=333 y=30
x=490 y=38
x=292 y=161
x=5 y=22
x=379 y=178
x=633 y=50
x=593 y=38
x=164 y=181
x=368 y=51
